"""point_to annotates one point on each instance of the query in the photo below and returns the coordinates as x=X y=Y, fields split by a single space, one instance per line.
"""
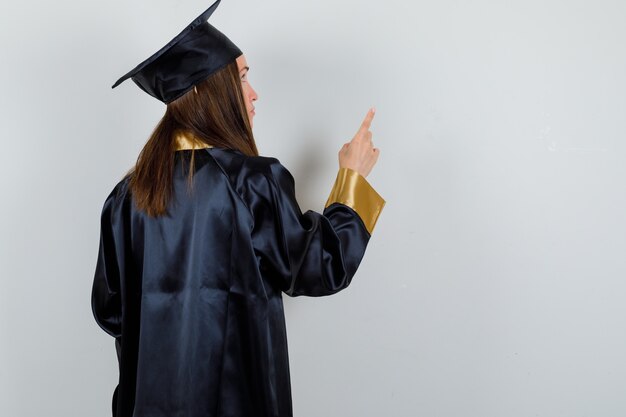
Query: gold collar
x=184 y=142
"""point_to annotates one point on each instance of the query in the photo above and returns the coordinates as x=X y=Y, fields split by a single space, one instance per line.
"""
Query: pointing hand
x=359 y=154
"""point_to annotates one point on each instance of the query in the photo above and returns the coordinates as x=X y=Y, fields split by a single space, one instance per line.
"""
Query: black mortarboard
x=197 y=52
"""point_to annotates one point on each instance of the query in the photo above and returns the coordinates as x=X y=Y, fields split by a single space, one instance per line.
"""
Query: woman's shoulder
x=254 y=175
x=117 y=198
x=245 y=166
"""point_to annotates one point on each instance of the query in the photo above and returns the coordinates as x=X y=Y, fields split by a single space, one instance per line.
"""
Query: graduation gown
x=193 y=298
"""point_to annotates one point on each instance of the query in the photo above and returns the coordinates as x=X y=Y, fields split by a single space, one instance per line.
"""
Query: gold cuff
x=353 y=190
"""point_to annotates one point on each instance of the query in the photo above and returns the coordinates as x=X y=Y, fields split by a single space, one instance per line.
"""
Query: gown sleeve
x=106 y=300
x=312 y=254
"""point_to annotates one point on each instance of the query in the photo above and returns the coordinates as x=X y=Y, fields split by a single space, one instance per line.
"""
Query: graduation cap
x=197 y=52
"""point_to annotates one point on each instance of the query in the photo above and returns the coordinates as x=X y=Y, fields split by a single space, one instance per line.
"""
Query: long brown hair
x=214 y=113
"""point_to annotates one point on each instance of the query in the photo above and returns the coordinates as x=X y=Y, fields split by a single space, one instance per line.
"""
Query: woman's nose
x=253 y=94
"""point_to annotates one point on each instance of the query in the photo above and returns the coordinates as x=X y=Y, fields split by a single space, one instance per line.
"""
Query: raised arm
x=318 y=254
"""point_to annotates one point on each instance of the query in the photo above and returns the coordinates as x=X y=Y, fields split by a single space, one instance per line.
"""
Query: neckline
x=186 y=142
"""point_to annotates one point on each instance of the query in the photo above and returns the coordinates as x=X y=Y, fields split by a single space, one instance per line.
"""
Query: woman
x=201 y=238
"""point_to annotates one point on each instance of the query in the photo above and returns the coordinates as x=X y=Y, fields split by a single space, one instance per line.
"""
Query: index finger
x=367 y=122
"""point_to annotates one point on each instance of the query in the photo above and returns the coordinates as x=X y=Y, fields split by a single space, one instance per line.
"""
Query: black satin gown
x=193 y=298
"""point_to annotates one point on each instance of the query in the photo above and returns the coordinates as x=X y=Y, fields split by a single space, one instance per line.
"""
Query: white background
x=494 y=282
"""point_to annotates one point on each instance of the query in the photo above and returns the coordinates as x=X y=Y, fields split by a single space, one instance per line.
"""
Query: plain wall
x=494 y=283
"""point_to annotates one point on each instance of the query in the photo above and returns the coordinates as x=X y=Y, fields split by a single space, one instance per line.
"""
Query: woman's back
x=194 y=297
